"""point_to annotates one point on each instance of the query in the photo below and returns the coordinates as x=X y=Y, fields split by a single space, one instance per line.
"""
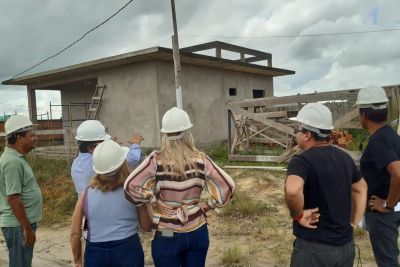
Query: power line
x=83 y=36
x=292 y=36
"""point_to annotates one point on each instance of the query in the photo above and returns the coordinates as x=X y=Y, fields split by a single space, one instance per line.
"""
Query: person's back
x=109 y=215
x=82 y=171
x=173 y=180
x=328 y=176
x=89 y=134
x=112 y=221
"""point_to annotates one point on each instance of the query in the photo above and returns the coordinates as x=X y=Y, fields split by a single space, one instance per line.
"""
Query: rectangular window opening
x=232 y=92
x=258 y=93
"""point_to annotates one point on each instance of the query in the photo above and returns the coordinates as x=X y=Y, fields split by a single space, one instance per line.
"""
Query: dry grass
x=58 y=192
x=242 y=205
x=234 y=256
x=59 y=199
x=256 y=226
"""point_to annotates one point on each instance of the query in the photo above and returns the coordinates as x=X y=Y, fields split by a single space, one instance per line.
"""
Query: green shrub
x=360 y=137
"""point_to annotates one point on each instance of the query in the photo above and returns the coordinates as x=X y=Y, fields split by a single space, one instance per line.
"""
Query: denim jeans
x=383 y=229
x=19 y=255
x=312 y=254
x=127 y=252
x=182 y=249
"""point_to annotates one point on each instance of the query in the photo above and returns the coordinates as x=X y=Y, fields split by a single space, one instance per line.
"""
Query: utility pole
x=177 y=61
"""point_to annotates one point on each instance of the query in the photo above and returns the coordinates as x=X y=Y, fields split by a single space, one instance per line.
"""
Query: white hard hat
x=108 y=156
x=175 y=120
x=315 y=115
x=17 y=123
x=371 y=95
x=91 y=130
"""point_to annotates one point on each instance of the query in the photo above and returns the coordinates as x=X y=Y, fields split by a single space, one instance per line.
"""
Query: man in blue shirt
x=89 y=134
x=380 y=165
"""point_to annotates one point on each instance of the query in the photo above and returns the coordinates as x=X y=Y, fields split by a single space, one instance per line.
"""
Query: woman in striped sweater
x=172 y=181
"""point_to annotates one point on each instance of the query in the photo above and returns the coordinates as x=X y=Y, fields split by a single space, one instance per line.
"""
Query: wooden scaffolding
x=266 y=121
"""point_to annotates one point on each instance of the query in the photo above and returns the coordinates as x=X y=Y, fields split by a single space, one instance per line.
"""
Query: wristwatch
x=387 y=207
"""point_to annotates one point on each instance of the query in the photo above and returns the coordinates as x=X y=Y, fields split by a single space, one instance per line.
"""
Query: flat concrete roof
x=154 y=53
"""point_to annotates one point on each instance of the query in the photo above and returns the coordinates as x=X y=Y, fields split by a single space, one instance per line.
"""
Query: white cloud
x=34 y=30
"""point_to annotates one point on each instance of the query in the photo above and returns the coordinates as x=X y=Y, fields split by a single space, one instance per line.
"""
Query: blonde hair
x=175 y=155
x=111 y=182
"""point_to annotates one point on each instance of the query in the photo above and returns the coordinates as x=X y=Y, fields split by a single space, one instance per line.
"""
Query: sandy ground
x=259 y=243
x=51 y=250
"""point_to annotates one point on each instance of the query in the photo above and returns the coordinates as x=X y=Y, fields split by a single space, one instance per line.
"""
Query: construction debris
x=341 y=138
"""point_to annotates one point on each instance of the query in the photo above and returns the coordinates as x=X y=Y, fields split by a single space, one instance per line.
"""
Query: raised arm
x=135 y=152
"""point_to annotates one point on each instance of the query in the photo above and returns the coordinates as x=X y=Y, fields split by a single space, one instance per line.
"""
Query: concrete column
x=218 y=52
x=32 y=104
x=270 y=61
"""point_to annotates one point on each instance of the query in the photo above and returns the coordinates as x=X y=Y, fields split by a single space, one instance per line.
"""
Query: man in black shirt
x=324 y=192
x=380 y=165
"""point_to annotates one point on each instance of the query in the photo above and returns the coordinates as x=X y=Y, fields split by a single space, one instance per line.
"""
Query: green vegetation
x=219 y=154
x=360 y=137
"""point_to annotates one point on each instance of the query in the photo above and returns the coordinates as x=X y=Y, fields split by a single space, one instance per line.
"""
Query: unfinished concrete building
x=129 y=93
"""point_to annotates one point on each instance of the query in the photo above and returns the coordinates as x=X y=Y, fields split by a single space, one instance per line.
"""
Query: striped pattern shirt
x=175 y=203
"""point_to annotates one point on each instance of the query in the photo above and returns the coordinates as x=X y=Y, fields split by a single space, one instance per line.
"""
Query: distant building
x=140 y=87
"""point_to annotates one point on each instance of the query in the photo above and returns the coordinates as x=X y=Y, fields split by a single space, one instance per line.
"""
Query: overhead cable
x=83 y=36
x=291 y=36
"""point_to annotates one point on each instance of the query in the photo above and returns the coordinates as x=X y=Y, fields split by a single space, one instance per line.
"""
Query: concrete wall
x=137 y=96
x=75 y=93
x=205 y=92
x=129 y=102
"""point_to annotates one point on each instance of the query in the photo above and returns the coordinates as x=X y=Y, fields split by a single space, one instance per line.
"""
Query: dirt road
x=51 y=250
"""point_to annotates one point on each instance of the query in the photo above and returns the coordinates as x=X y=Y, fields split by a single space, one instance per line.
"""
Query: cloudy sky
x=34 y=30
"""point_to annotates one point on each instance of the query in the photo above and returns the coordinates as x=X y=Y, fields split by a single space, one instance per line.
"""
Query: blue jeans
x=313 y=254
x=383 y=229
x=182 y=249
x=127 y=252
x=19 y=255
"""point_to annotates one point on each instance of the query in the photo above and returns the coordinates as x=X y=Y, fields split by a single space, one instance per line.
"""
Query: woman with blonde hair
x=172 y=181
x=111 y=239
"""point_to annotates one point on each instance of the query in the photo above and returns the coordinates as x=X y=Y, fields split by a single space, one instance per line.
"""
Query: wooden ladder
x=94 y=109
